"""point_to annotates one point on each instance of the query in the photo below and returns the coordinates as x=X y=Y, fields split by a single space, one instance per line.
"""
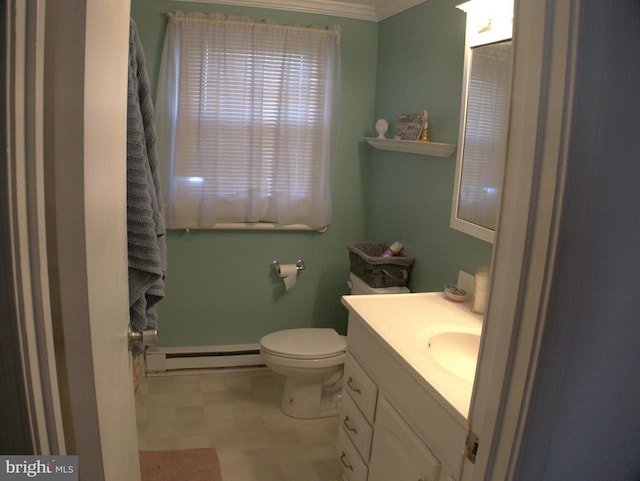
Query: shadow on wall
x=331 y=314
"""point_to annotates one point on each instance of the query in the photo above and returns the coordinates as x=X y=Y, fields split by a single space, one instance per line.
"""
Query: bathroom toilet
x=360 y=287
x=312 y=360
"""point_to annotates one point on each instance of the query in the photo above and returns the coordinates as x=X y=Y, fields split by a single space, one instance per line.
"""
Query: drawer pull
x=347 y=427
x=342 y=460
x=354 y=389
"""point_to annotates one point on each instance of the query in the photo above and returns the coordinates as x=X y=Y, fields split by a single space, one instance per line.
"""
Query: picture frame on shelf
x=410 y=125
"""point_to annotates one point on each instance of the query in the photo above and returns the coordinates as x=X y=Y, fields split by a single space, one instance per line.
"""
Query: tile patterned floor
x=238 y=413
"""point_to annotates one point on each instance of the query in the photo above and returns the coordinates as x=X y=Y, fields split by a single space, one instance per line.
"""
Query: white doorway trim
x=27 y=222
x=545 y=43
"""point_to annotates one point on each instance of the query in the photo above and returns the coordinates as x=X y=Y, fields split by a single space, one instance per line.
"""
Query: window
x=246 y=115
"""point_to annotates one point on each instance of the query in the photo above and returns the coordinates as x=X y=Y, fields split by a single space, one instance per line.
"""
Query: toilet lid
x=305 y=343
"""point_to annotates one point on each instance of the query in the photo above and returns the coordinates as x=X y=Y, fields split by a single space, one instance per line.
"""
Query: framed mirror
x=484 y=120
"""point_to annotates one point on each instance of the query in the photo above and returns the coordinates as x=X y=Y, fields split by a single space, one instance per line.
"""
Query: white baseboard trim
x=200 y=359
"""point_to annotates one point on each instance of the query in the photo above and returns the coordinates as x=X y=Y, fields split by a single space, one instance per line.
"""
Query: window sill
x=263 y=226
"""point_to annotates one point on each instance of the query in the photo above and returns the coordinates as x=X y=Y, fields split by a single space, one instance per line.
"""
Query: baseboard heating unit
x=189 y=360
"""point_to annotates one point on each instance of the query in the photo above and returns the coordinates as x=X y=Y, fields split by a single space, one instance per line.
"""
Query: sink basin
x=456 y=352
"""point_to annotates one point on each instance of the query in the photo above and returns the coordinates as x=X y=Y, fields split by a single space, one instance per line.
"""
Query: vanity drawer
x=355 y=469
x=356 y=427
x=360 y=387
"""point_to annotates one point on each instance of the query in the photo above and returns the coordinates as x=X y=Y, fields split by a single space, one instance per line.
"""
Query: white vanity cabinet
x=397 y=452
x=393 y=424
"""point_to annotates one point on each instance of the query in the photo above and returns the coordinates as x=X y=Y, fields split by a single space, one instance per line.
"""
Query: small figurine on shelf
x=424 y=135
x=381 y=127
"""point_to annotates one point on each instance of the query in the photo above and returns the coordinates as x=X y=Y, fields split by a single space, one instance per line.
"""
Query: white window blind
x=485 y=133
x=246 y=115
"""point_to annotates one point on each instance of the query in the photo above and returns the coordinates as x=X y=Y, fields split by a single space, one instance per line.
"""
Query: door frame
x=538 y=133
x=27 y=241
x=524 y=258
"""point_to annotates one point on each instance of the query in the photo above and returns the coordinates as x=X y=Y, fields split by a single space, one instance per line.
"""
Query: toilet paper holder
x=275 y=266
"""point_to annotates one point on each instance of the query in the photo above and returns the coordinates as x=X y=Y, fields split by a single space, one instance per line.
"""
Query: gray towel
x=145 y=223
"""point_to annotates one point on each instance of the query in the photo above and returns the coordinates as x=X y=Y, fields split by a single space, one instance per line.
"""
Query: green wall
x=219 y=287
x=420 y=63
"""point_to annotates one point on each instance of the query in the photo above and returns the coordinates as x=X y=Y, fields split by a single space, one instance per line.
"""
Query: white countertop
x=406 y=321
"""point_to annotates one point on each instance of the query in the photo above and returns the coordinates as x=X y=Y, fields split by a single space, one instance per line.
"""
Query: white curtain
x=246 y=117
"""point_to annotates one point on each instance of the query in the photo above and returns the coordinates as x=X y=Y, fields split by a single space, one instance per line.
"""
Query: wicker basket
x=377 y=271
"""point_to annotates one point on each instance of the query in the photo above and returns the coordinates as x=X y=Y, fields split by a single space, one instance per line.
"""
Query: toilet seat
x=304 y=343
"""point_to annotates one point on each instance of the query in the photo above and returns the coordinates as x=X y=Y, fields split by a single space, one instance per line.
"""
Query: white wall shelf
x=412 y=147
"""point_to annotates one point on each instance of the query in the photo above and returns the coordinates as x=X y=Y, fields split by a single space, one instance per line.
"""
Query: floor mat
x=180 y=465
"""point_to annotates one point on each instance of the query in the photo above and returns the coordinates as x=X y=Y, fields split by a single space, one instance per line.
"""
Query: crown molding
x=374 y=13
x=386 y=9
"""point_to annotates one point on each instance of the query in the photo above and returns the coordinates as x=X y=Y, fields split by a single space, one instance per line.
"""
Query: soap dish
x=455 y=293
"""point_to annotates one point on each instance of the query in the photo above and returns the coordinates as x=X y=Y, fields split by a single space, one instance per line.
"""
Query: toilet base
x=304 y=399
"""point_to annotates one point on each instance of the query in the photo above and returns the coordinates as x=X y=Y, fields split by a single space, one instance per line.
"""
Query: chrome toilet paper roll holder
x=275 y=266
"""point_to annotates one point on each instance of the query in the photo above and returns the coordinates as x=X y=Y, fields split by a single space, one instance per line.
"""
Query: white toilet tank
x=358 y=287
